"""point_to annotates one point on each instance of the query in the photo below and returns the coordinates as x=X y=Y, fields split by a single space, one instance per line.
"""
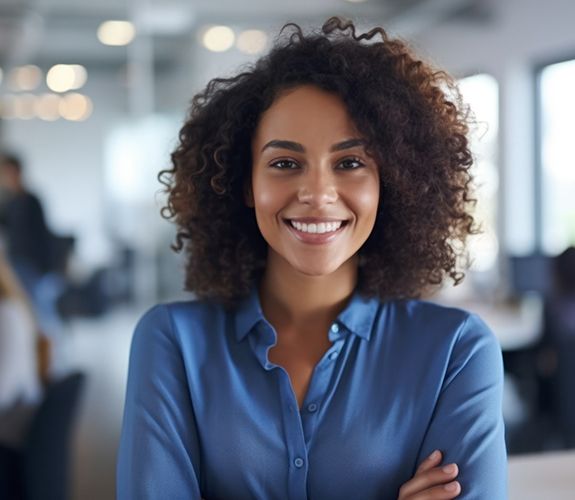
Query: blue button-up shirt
x=208 y=415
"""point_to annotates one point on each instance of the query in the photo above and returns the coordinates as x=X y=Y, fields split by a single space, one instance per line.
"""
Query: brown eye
x=350 y=164
x=284 y=164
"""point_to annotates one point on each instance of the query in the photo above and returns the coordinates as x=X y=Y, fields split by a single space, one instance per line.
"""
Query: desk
x=545 y=476
x=517 y=326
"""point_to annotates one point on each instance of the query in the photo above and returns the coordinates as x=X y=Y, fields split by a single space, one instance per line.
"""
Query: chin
x=317 y=269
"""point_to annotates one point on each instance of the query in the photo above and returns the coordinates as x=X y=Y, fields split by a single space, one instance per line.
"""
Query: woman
x=20 y=387
x=317 y=193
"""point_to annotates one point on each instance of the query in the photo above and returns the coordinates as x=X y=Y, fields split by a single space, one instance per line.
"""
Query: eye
x=350 y=164
x=284 y=164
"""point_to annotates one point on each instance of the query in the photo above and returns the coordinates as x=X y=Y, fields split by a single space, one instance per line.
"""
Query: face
x=9 y=177
x=314 y=189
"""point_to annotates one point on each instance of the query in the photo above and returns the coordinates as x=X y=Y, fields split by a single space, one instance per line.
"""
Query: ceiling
x=46 y=32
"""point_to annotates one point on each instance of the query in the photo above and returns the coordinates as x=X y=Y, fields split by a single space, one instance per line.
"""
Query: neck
x=290 y=298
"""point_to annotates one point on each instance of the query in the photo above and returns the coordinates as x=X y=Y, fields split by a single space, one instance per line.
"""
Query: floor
x=100 y=348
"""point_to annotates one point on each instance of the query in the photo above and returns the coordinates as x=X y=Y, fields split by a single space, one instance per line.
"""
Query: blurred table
x=516 y=325
x=542 y=476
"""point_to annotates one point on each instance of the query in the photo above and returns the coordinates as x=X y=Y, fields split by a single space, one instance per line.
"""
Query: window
x=480 y=92
x=556 y=99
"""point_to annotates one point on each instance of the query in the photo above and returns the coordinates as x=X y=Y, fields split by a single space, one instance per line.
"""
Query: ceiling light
x=1 y=75
x=64 y=77
x=116 y=33
x=7 y=106
x=252 y=41
x=75 y=107
x=60 y=78
x=356 y=1
x=24 y=77
x=48 y=107
x=80 y=76
x=24 y=105
x=218 y=38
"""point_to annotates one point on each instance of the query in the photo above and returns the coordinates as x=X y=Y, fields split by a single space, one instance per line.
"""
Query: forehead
x=305 y=114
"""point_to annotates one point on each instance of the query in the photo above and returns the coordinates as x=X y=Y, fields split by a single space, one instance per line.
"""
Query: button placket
x=294 y=437
x=319 y=385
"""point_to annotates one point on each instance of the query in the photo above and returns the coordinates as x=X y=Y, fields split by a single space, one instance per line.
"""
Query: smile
x=316 y=233
x=317 y=228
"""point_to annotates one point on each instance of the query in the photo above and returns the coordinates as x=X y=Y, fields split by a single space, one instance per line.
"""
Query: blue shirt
x=208 y=415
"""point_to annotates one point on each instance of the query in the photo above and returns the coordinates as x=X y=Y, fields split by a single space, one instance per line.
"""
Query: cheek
x=268 y=197
x=366 y=202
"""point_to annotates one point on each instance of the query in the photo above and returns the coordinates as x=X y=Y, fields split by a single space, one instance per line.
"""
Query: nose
x=317 y=188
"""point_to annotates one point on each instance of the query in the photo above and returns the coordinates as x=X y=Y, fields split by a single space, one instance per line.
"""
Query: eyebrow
x=298 y=148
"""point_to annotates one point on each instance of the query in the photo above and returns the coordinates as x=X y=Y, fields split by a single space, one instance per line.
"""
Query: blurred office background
x=92 y=106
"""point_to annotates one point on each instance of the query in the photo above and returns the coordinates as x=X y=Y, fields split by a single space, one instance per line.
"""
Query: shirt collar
x=357 y=317
x=248 y=314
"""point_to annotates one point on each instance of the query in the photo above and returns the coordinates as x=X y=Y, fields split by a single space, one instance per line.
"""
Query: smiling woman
x=317 y=195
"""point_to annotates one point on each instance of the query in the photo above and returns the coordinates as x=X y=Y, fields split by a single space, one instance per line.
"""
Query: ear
x=248 y=195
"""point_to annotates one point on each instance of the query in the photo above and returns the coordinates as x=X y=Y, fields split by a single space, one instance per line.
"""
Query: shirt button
x=333 y=355
x=298 y=462
x=335 y=328
x=311 y=407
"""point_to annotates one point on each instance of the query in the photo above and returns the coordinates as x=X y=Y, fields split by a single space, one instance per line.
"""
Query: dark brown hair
x=416 y=129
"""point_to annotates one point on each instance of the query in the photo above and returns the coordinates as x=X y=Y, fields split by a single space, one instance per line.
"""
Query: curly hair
x=415 y=126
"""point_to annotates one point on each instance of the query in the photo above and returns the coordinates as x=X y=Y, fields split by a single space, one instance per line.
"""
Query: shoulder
x=15 y=314
x=176 y=319
x=426 y=329
x=473 y=348
x=438 y=320
x=175 y=314
x=169 y=334
x=32 y=198
x=424 y=310
x=29 y=200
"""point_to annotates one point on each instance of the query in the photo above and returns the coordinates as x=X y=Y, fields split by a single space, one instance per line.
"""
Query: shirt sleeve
x=159 y=446
x=467 y=425
x=18 y=365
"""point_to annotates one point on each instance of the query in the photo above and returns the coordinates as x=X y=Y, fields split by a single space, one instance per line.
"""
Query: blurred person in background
x=29 y=243
x=22 y=368
x=314 y=193
x=557 y=355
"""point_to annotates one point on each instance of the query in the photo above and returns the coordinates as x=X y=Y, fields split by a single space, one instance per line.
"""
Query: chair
x=557 y=350
x=42 y=466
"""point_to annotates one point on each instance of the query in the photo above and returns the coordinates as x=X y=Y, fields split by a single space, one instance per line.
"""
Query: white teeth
x=322 y=227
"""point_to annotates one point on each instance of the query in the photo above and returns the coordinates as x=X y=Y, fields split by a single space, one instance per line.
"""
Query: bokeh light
x=218 y=38
x=116 y=33
x=24 y=106
x=65 y=77
x=48 y=107
x=24 y=78
x=75 y=107
x=252 y=41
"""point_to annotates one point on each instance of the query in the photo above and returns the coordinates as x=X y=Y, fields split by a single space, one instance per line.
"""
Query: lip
x=315 y=238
